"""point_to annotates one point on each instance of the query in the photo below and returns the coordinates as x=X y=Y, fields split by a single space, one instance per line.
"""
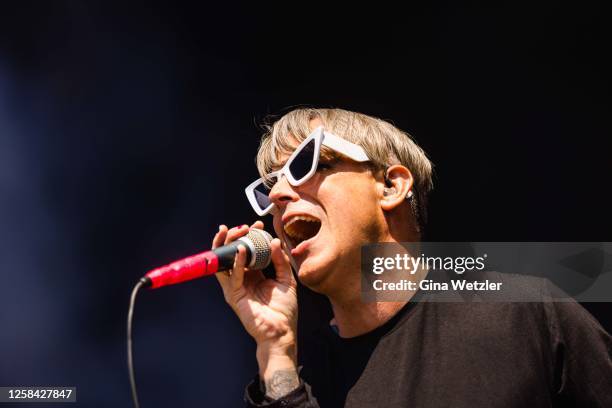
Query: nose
x=283 y=193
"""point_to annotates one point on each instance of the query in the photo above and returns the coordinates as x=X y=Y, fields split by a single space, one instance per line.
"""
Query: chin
x=313 y=273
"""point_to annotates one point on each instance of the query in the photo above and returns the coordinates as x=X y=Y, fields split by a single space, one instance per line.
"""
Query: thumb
x=280 y=260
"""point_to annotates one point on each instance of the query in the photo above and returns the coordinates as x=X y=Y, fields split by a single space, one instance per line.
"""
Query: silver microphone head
x=259 y=242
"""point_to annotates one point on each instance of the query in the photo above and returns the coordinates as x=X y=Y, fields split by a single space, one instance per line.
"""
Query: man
x=333 y=181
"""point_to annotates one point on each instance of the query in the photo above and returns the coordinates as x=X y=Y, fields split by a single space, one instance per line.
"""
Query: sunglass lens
x=261 y=193
x=302 y=163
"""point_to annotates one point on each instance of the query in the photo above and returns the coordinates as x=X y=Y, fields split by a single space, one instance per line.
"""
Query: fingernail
x=244 y=225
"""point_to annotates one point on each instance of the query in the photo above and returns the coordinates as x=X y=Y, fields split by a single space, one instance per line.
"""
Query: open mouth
x=301 y=228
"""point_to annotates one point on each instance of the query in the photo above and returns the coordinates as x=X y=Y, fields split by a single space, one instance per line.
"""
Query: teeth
x=291 y=229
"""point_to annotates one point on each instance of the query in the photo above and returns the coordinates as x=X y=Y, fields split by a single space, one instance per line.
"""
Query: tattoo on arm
x=281 y=383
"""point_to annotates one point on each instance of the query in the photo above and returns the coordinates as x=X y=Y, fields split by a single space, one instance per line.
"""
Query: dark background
x=128 y=131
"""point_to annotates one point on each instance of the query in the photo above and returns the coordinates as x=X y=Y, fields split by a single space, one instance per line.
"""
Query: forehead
x=315 y=123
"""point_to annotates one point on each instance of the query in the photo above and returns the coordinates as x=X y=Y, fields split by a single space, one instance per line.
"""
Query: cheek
x=277 y=225
x=351 y=204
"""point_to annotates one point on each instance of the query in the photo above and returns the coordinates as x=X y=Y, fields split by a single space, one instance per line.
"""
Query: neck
x=352 y=315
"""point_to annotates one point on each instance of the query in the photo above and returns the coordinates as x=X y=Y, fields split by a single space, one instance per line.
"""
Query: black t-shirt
x=469 y=354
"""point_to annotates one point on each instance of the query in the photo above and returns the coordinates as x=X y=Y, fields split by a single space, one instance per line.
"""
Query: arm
x=267 y=308
x=583 y=354
x=278 y=373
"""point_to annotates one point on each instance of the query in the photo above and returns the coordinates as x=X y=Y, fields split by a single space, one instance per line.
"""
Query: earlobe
x=390 y=199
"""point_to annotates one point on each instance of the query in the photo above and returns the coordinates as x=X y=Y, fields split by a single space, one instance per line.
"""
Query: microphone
x=258 y=252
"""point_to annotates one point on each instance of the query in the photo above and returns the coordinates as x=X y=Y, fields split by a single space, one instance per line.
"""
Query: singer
x=334 y=180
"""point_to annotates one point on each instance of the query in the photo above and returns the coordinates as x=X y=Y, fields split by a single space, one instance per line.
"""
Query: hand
x=267 y=308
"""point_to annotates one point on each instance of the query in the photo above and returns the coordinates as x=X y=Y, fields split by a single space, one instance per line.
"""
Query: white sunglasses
x=301 y=166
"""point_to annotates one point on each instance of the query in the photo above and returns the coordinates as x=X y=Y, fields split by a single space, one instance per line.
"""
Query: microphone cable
x=196 y=266
x=130 y=359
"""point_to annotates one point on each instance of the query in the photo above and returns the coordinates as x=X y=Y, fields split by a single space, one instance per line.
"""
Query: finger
x=219 y=238
x=237 y=276
x=236 y=233
x=224 y=280
x=258 y=224
x=280 y=260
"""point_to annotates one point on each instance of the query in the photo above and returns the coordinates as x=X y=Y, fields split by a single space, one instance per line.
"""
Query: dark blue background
x=128 y=131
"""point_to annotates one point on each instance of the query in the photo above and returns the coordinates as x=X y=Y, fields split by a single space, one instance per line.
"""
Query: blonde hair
x=384 y=144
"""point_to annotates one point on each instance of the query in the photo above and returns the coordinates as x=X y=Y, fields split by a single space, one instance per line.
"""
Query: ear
x=399 y=185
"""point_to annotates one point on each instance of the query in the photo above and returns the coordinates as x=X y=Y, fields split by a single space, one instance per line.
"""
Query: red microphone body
x=257 y=243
